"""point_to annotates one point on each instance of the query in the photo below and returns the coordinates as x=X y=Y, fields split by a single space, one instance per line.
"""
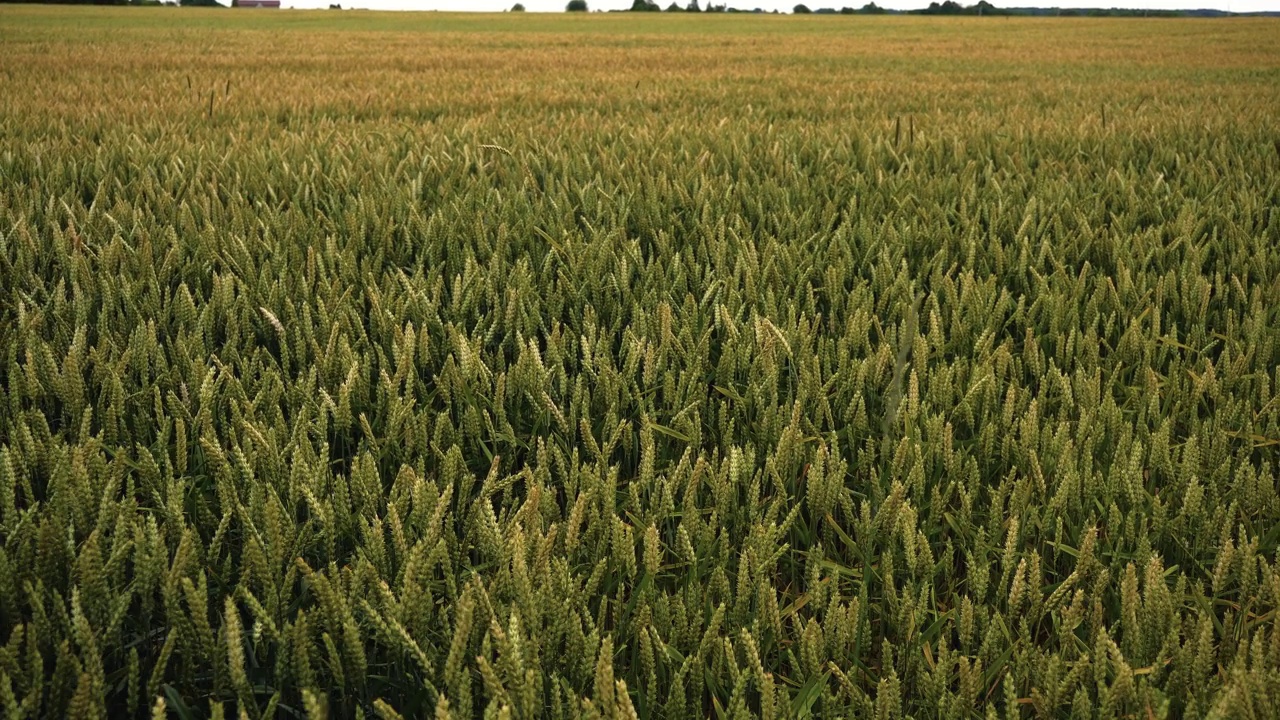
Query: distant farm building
x=259 y=4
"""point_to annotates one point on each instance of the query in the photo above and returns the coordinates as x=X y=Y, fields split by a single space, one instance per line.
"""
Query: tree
x=576 y=6
x=517 y=8
x=674 y=7
x=693 y=6
x=644 y=6
x=950 y=7
x=801 y=10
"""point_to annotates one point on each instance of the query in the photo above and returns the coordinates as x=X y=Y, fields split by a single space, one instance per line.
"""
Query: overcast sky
x=786 y=5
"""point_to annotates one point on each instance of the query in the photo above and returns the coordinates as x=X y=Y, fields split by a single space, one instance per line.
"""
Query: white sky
x=785 y=5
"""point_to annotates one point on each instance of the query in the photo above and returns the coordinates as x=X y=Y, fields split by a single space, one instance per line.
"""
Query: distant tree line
x=868 y=9
x=693 y=6
x=948 y=7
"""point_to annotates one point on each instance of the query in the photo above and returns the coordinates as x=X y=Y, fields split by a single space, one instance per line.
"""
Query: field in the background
x=637 y=366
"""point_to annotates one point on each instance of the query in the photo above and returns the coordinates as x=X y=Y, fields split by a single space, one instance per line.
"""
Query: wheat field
x=637 y=366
